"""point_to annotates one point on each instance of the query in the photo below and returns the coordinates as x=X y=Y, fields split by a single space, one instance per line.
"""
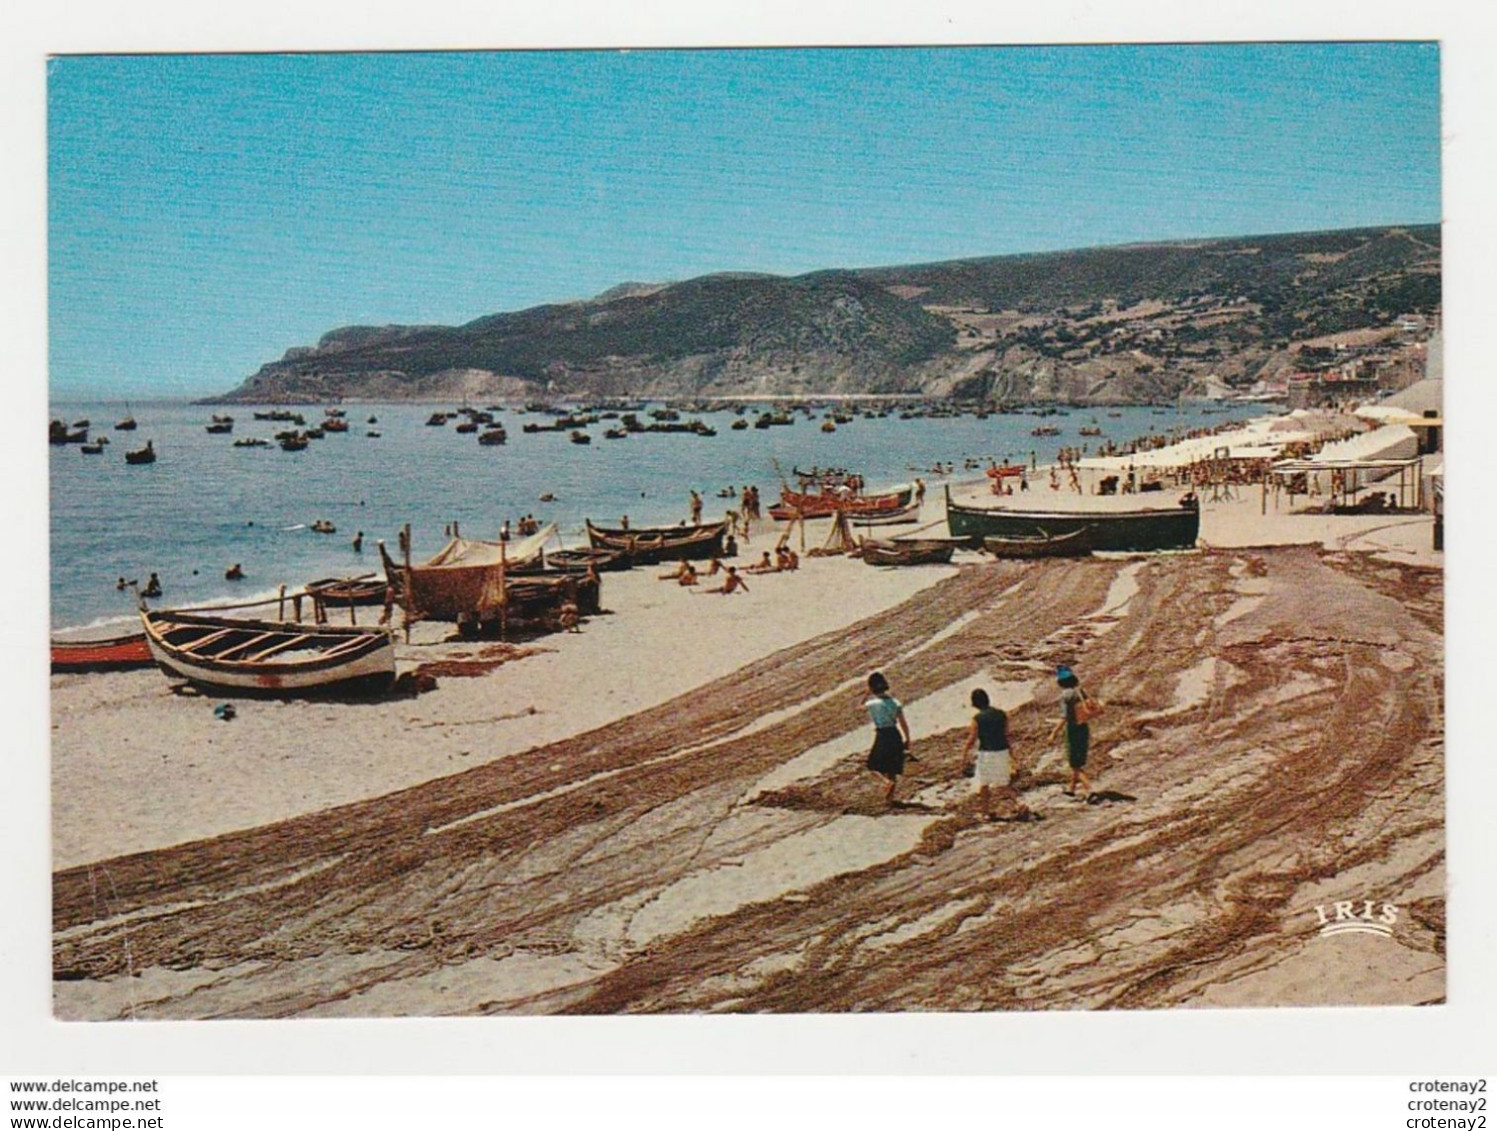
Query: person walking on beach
x=891 y=734
x=993 y=768
x=1078 y=732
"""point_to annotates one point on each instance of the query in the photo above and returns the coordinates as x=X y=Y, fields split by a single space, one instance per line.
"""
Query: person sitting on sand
x=763 y=565
x=688 y=574
x=1078 y=732
x=234 y=573
x=568 y=615
x=678 y=573
x=993 y=769
x=714 y=567
x=730 y=547
x=781 y=559
x=732 y=583
x=891 y=734
x=792 y=559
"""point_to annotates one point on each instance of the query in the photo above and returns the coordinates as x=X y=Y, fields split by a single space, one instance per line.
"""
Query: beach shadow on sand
x=1104 y=796
x=839 y=800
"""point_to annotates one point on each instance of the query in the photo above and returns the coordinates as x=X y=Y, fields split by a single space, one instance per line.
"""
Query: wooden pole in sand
x=405 y=549
x=281 y=607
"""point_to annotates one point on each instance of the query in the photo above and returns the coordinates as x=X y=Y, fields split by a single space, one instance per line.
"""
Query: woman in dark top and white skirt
x=992 y=770
x=891 y=734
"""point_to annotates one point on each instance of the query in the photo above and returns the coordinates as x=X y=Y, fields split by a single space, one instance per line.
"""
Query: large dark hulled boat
x=1173 y=529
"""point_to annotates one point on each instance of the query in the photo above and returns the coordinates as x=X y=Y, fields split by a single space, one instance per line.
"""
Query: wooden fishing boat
x=58 y=433
x=535 y=599
x=895 y=517
x=495 y=435
x=219 y=428
x=335 y=424
x=1071 y=545
x=909 y=551
x=146 y=454
x=275 y=657
x=294 y=443
x=818 y=504
x=465 y=579
x=92 y=449
x=101 y=655
x=576 y=561
x=340 y=591
x=1176 y=528
x=127 y=425
x=648 y=545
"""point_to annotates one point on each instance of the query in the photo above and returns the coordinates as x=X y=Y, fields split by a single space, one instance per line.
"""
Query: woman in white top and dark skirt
x=891 y=734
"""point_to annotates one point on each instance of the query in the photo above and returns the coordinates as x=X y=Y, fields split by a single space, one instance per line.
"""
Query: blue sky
x=208 y=212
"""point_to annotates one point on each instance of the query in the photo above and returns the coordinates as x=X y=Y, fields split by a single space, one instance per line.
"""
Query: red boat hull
x=101 y=655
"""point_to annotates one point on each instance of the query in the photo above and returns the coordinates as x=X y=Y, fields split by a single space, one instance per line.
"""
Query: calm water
x=205 y=504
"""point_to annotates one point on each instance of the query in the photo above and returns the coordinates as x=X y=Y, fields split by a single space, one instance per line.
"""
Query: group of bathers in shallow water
x=987 y=757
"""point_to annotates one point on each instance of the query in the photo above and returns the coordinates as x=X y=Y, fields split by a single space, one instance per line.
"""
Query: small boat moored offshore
x=146 y=454
x=1175 y=528
x=256 y=656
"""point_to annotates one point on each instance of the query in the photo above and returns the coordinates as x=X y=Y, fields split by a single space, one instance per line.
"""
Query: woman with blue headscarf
x=1078 y=733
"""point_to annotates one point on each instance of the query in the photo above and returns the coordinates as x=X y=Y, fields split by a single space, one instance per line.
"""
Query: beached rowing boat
x=908 y=551
x=651 y=544
x=340 y=591
x=1071 y=545
x=819 y=504
x=893 y=517
x=466 y=578
x=577 y=561
x=276 y=657
x=101 y=655
x=1176 y=528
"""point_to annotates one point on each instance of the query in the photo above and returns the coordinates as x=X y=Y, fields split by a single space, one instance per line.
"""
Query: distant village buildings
x=1335 y=375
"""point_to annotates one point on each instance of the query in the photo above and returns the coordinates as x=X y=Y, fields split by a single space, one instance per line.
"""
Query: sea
x=205 y=504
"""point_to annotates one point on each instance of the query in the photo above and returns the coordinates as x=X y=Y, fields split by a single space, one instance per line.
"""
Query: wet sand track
x=1273 y=741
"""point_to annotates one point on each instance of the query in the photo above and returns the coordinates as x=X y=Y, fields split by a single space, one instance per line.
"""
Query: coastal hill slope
x=1112 y=324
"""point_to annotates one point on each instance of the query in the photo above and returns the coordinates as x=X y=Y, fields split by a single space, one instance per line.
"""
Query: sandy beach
x=668 y=811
